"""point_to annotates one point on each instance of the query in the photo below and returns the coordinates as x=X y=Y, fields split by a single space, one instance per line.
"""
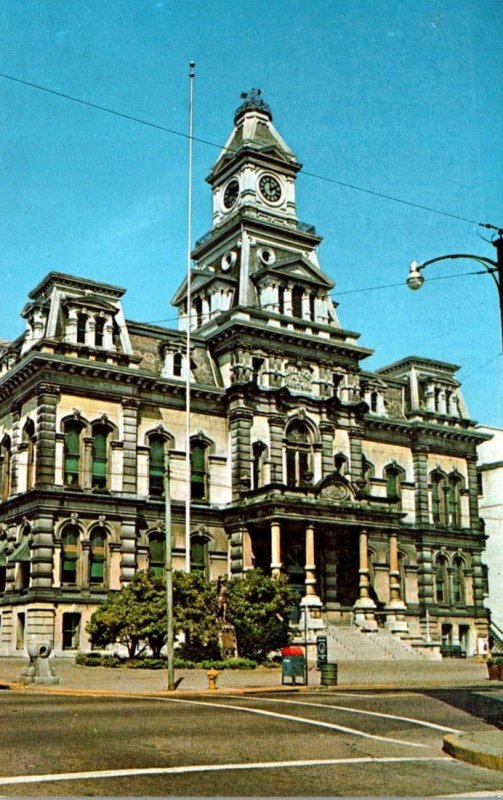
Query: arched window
x=199 y=555
x=438 y=498
x=99 y=477
x=259 y=452
x=156 y=466
x=454 y=500
x=97 y=556
x=298 y=454
x=198 y=470
x=157 y=552
x=69 y=555
x=441 y=586
x=99 y=330
x=29 y=443
x=297 y=295
x=5 y=455
x=81 y=328
x=72 y=448
x=458 y=582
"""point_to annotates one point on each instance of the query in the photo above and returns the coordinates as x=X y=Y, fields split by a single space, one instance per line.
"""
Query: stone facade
x=361 y=486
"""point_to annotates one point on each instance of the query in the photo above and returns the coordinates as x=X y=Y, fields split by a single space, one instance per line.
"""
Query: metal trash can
x=328 y=674
x=293 y=663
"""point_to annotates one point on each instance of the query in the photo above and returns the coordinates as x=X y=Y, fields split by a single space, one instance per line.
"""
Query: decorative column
x=419 y=456
x=425 y=587
x=128 y=551
x=130 y=427
x=473 y=498
x=240 y=422
x=395 y=620
x=310 y=604
x=15 y=447
x=275 y=549
x=276 y=428
x=355 y=451
x=42 y=553
x=327 y=431
x=364 y=608
x=47 y=401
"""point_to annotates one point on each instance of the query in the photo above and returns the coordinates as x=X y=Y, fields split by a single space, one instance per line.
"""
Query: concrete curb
x=483 y=749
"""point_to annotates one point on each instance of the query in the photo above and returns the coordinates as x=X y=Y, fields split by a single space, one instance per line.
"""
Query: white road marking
x=308 y=703
x=304 y=720
x=127 y=773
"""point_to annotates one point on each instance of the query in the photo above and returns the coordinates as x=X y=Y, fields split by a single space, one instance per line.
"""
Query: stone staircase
x=352 y=644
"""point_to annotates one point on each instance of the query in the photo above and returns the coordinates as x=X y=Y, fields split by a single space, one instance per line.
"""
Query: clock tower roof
x=253 y=135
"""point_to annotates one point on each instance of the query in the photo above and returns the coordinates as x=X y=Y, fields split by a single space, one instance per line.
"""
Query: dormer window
x=81 y=328
x=177 y=365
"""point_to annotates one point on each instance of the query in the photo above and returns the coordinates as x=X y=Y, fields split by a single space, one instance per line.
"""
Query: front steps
x=352 y=644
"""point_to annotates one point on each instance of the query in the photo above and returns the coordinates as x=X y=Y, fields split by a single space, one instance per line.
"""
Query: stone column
x=327 y=432
x=364 y=608
x=130 y=427
x=240 y=422
x=42 y=553
x=395 y=620
x=478 y=580
x=47 y=401
x=310 y=604
x=275 y=549
x=355 y=449
x=425 y=584
x=419 y=456
x=276 y=428
x=128 y=551
x=14 y=453
x=473 y=498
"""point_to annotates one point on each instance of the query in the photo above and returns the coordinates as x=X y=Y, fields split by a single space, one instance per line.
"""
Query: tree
x=138 y=613
x=258 y=608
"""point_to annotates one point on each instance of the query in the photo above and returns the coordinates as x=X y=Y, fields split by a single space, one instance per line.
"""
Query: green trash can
x=328 y=674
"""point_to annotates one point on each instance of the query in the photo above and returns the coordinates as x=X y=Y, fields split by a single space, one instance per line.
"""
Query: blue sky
x=398 y=97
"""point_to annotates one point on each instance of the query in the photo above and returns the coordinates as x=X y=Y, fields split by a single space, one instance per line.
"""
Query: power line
x=174 y=132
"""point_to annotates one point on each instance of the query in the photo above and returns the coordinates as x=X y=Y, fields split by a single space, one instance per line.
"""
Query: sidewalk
x=484 y=749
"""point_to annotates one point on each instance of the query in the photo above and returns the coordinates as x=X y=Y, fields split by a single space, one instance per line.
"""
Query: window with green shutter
x=97 y=556
x=99 y=466
x=156 y=466
x=198 y=556
x=69 y=555
x=198 y=470
x=72 y=453
x=157 y=553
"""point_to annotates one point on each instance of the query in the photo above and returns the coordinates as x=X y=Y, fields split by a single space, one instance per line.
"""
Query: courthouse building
x=360 y=486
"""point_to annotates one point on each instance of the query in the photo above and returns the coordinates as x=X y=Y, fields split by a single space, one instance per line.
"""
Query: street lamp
x=493 y=268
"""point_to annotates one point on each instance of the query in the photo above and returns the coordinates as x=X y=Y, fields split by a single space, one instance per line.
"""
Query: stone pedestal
x=39 y=670
x=227 y=640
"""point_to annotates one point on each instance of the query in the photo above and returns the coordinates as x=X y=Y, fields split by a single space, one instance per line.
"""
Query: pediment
x=202 y=280
x=335 y=488
x=300 y=269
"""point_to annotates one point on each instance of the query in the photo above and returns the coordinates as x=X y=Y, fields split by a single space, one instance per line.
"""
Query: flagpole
x=188 y=326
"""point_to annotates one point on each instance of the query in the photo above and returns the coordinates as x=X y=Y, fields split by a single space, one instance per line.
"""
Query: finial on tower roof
x=252 y=101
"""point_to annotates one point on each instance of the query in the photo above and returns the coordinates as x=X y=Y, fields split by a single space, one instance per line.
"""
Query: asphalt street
x=354 y=743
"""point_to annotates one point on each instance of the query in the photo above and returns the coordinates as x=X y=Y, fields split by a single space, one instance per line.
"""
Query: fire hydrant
x=212 y=678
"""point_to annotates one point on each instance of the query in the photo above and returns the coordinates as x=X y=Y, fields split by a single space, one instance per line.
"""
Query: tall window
x=73 y=431
x=157 y=552
x=157 y=445
x=199 y=555
x=29 y=442
x=298 y=454
x=393 y=475
x=97 y=556
x=81 y=328
x=69 y=555
x=297 y=295
x=441 y=595
x=71 y=631
x=281 y=299
x=259 y=451
x=454 y=500
x=99 y=330
x=5 y=468
x=438 y=498
x=177 y=365
x=198 y=470
x=458 y=581
x=198 y=308
x=100 y=456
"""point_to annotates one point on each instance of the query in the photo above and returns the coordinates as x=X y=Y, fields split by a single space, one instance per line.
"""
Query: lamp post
x=493 y=268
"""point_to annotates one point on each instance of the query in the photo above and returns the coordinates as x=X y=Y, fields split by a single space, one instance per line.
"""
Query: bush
x=98 y=660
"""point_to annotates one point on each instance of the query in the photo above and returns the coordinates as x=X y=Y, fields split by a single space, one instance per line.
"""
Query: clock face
x=231 y=194
x=270 y=188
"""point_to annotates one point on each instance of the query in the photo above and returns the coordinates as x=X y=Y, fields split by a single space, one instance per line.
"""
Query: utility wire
x=174 y=132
